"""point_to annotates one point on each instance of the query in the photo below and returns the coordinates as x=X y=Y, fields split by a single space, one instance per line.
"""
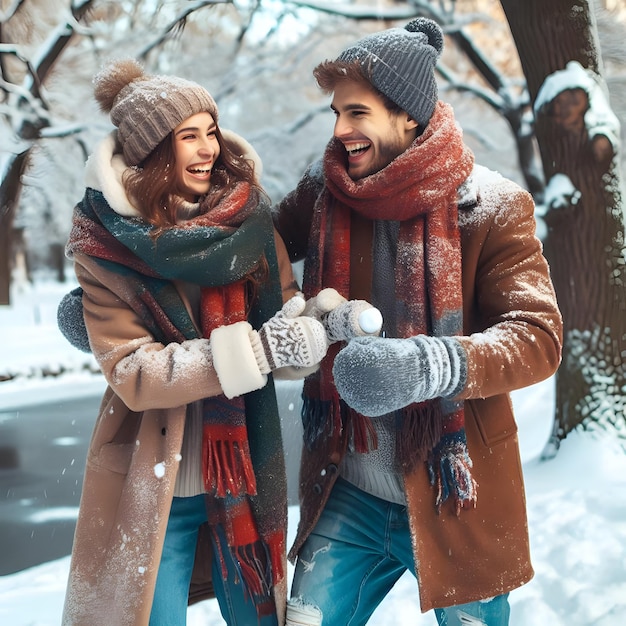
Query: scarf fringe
x=227 y=466
x=319 y=419
x=259 y=560
x=260 y=565
x=364 y=437
x=449 y=468
x=276 y=543
x=254 y=567
x=329 y=418
x=418 y=433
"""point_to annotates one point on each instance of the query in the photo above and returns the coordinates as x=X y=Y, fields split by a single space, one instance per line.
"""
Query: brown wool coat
x=133 y=455
x=126 y=499
x=513 y=337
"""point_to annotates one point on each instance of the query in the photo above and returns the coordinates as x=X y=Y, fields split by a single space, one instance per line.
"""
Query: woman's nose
x=207 y=146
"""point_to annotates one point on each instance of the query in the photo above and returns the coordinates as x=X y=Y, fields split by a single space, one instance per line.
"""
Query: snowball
x=371 y=321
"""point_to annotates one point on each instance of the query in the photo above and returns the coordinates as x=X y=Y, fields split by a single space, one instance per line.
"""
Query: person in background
x=410 y=458
x=181 y=275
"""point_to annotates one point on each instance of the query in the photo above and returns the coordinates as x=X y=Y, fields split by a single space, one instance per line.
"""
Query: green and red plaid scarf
x=243 y=462
x=418 y=189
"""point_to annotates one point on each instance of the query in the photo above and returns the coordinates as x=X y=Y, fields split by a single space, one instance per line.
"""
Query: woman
x=181 y=273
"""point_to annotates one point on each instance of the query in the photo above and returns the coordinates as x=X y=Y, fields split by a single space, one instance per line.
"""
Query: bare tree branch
x=359 y=12
x=178 y=24
x=493 y=99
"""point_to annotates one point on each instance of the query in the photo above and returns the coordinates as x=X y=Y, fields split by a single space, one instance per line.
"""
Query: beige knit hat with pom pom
x=146 y=108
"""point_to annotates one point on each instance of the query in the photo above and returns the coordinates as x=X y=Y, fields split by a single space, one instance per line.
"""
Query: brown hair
x=152 y=184
x=329 y=73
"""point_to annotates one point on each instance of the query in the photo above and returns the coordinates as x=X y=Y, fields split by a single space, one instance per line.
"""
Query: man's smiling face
x=372 y=135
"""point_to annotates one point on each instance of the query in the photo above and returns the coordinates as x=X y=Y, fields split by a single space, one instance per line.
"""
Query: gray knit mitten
x=343 y=319
x=289 y=339
x=71 y=321
x=376 y=376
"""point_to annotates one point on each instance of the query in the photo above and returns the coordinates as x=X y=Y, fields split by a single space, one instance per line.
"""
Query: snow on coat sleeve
x=513 y=334
x=144 y=373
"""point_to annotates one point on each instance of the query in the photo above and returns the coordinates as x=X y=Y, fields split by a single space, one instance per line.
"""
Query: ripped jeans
x=358 y=550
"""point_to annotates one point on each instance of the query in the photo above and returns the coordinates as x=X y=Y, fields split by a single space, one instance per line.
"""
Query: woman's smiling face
x=196 y=149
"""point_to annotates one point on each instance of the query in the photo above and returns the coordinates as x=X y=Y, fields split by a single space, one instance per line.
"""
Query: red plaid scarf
x=228 y=470
x=418 y=189
x=227 y=466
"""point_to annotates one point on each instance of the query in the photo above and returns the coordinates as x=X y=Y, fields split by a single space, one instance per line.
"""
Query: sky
x=576 y=501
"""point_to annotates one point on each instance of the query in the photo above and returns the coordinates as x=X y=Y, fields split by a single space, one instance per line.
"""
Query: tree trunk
x=10 y=188
x=585 y=240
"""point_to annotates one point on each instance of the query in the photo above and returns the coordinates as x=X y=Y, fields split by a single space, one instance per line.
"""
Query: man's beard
x=387 y=152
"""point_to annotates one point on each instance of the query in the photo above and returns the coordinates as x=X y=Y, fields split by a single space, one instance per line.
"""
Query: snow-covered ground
x=576 y=501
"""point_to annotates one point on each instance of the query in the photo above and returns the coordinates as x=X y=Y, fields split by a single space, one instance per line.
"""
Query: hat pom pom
x=430 y=28
x=112 y=79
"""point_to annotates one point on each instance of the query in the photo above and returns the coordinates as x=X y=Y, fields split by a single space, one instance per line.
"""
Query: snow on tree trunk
x=578 y=137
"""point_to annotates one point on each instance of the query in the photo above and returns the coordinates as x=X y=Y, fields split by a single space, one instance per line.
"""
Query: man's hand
x=376 y=376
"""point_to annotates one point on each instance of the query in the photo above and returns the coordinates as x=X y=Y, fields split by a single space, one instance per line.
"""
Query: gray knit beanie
x=146 y=108
x=400 y=63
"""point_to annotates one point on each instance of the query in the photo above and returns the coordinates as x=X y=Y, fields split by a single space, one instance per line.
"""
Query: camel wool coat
x=134 y=452
x=512 y=337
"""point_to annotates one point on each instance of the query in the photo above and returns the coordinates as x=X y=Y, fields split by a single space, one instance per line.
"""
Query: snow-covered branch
x=65 y=130
x=9 y=12
x=560 y=193
x=13 y=49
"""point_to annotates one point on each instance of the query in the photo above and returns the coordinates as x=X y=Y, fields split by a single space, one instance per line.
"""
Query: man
x=411 y=457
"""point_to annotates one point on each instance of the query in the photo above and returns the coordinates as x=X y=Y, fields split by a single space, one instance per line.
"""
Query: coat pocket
x=494 y=418
x=114 y=457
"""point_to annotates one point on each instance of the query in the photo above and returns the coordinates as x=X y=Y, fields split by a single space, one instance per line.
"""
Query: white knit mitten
x=289 y=339
x=243 y=357
x=326 y=300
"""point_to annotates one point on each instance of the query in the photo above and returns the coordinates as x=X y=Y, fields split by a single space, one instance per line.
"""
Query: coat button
x=317 y=488
x=332 y=469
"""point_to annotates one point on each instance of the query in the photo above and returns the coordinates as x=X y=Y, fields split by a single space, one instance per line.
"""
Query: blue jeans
x=359 y=548
x=169 y=607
